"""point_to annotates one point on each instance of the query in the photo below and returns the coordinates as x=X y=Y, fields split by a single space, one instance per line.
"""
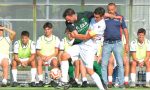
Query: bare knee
x=65 y=56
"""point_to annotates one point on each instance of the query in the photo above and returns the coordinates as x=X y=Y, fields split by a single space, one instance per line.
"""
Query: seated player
x=24 y=55
x=5 y=42
x=47 y=50
x=140 y=53
x=67 y=42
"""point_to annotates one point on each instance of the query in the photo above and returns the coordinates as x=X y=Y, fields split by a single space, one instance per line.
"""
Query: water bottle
x=116 y=82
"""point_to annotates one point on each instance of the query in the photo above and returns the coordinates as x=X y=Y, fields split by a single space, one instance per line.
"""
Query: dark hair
x=48 y=24
x=100 y=11
x=112 y=4
x=25 y=33
x=141 y=30
x=68 y=12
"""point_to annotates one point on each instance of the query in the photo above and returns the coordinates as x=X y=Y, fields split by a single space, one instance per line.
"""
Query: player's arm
x=32 y=57
x=12 y=32
x=53 y=55
x=147 y=56
x=133 y=55
x=87 y=36
x=16 y=58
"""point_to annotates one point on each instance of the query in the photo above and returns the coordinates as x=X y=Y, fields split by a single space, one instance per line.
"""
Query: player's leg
x=117 y=50
x=126 y=67
x=40 y=71
x=88 y=60
x=33 y=73
x=5 y=65
x=14 y=73
x=84 y=74
x=147 y=63
x=133 y=73
x=71 y=52
x=110 y=71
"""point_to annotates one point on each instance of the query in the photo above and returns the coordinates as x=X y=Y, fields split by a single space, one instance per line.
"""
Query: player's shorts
x=4 y=56
x=73 y=51
x=86 y=54
x=24 y=59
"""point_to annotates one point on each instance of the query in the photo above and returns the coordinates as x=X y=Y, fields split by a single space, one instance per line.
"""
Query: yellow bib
x=47 y=47
x=66 y=43
x=4 y=46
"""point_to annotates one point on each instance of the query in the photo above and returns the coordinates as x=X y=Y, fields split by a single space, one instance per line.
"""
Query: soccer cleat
x=63 y=85
x=73 y=83
x=122 y=86
x=126 y=84
x=14 y=84
x=32 y=84
x=147 y=85
x=53 y=84
x=132 y=85
x=4 y=85
x=84 y=84
x=40 y=84
x=109 y=84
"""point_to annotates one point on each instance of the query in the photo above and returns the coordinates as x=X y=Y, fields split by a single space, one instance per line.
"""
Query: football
x=55 y=73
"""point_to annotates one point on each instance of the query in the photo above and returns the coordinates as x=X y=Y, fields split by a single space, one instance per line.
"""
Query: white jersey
x=98 y=29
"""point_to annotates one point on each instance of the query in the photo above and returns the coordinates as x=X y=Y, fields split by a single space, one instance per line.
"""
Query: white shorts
x=86 y=54
x=73 y=51
x=4 y=56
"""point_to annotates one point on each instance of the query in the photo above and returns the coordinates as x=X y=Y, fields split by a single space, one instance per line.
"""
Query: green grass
x=50 y=88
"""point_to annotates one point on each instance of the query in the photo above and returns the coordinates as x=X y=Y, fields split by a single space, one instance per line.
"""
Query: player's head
x=25 y=37
x=68 y=33
x=69 y=15
x=99 y=13
x=141 y=34
x=1 y=31
x=112 y=8
x=48 y=28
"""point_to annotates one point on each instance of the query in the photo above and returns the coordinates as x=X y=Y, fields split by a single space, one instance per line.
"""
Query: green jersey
x=81 y=25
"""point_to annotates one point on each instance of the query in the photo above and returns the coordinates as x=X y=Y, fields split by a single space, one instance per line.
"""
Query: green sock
x=71 y=70
x=97 y=68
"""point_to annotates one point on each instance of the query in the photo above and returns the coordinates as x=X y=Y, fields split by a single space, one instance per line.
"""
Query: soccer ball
x=55 y=73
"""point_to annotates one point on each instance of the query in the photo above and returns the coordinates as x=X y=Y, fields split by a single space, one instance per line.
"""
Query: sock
x=64 y=69
x=14 y=73
x=33 y=74
x=147 y=77
x=40 y=77
x=4 y=81
x=77 y=80
x=133 y=77
x=126 y=79
x=97 y=80
x=84 y=79
x=109 y=78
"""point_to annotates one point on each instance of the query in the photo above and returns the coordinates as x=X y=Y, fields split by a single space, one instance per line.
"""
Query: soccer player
x=47 y=50
x=140 y=53
x=5 y=42
x=113 y=43
x=24 y=55
x=74 y=63
x=78 y=25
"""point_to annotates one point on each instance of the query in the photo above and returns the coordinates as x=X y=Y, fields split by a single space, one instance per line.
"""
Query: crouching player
x=24 y=55
x=4 y=51
x=140 y=52
x=47 y=50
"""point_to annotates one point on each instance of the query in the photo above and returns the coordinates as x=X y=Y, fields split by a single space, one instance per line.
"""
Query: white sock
x=97 y=80
x=40 y=77
x=126 y=79
x=33 y=74
x=109 y=78
x=14 y=73
x=4 y=81
x=77 y=80
x=133 y=77
x=84 y=79
x=147 y=76
x=64 y=68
